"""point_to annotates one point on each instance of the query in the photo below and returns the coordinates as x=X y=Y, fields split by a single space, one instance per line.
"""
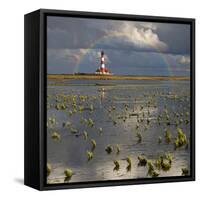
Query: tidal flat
x=117 y=129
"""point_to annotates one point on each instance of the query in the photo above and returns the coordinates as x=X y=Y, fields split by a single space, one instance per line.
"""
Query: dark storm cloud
x=82 y=33
x=176 y=36
x=136 y=36
x=70 y=33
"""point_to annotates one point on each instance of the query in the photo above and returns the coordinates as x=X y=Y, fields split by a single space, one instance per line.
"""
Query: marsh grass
x=85 y=135
x=185 y=171
x=68 y=174
x=109 y=149
x=167 y=136
x=117 y=165
x=151 y=170
x=129 y=161
x=73 y=130
x=94 y=144
x=90 y=122
x=55 y=136
x=139 y=137
x=89 y=155
x=159 y=140
x=100 y=130
x=142 y=160
x=117 y=149
x=180 y=139
x=49 y=169
x=67 y=124
x=51 y=122
x=164 y=162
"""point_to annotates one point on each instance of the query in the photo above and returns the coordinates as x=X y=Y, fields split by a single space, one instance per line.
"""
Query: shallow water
x=117 y=107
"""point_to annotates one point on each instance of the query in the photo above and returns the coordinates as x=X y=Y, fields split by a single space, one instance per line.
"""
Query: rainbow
x=100 y=39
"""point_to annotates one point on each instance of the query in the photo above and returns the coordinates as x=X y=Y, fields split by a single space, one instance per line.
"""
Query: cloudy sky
x=131 y=48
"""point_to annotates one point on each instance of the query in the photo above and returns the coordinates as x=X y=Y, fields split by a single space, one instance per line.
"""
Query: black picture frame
x=35 y=83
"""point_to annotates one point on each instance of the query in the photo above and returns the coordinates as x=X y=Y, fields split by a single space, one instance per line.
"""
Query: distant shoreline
x=114 y=77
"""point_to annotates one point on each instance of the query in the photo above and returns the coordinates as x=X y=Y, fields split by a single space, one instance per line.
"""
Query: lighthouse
x=102 y=61
x=102 y=69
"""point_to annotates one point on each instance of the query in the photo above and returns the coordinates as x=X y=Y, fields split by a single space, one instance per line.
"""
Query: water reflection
x=117 y=110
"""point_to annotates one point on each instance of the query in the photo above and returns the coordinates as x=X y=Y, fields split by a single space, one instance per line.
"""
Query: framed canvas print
x=109 y=99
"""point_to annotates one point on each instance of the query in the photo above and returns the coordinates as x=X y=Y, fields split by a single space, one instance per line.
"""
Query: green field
x=114 y=77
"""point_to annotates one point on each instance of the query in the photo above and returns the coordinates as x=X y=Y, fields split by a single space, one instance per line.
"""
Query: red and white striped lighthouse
x=102 y=69
x=102 y=60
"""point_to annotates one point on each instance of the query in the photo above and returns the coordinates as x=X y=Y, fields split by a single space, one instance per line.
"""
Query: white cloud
x=149 y=25
x=129 y=35
x=184 y=59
